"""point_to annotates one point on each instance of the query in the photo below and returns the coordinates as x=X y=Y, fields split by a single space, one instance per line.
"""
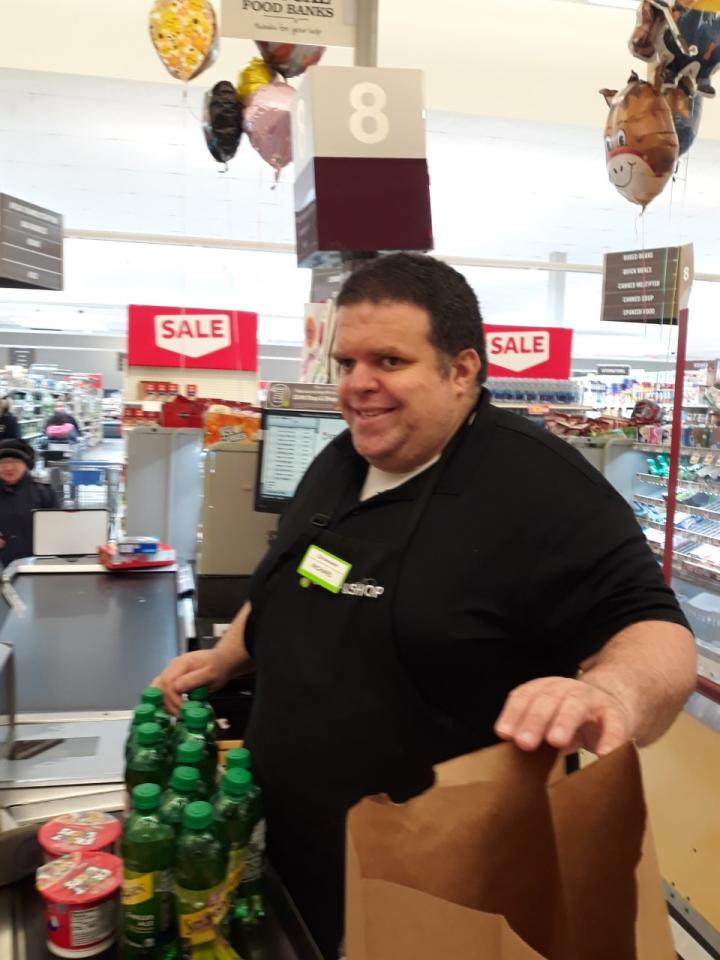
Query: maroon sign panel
x=529 y=351
x=191 y=338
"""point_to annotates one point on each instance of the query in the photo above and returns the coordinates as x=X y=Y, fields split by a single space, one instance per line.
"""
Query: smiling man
x=471 y=565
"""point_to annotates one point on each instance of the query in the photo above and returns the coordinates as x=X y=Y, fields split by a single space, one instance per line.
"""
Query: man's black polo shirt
x=526 y=561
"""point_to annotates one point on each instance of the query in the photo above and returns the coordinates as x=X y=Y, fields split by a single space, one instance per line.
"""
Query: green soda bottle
x=199 y=698
x=149 y=761
x=237 y=759
x=249 y=905
x=148 y=849
x=181 y=726
x=192 y=753
x=199 y=884
x=181 y=792
x=154 y=696
x=195 y=723
x=233 y=813
x=143 y=713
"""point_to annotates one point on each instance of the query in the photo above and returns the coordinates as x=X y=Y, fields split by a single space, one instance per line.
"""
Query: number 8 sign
x=357 y=112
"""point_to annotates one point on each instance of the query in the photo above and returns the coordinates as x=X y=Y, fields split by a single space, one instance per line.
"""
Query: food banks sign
x=192 y=338
x=528 y=351
x=329 y=23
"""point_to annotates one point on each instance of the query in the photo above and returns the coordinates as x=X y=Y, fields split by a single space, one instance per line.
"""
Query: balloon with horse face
x=641 y=144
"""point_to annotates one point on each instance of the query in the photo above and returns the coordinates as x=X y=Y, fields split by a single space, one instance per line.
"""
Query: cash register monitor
x=291 y=439
x=69 y=533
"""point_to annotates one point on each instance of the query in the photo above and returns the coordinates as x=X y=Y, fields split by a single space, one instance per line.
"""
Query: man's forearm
x=231 y=645
x=650 y=668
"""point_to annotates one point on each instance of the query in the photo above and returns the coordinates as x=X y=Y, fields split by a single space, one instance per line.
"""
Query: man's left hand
x=568 y=714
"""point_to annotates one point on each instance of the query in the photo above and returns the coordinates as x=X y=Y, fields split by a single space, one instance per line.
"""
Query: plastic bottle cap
x=196 y=718
x=144 y=713
x=184 y=779
x=189 y=752
x=153 y=695
x=236 y=782
x=198 y=815
x=162 y=716
x=185 y=706
x=146 y=796
x=149 y=733
x=237 y=758
x=199 y=693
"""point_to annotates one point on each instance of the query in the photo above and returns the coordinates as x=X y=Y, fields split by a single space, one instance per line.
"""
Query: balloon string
x=186 y=103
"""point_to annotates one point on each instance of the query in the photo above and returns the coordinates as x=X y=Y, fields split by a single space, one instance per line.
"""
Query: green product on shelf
x=199 y=698
x=148 y=850
x=233 y=813
x=195 y=722
x=148 y=762
x=181 y=792
x=199 y=880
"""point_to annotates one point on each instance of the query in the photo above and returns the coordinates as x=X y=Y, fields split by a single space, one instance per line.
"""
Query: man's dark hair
x=455 y=318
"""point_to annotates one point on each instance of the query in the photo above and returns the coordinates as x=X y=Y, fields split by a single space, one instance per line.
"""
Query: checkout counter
x=77 y=644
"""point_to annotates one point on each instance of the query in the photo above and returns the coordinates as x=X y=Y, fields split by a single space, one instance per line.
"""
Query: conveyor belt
x=281 y=936
x=89 y=641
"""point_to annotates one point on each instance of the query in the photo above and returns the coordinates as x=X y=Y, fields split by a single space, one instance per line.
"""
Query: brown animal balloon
x=640 y=141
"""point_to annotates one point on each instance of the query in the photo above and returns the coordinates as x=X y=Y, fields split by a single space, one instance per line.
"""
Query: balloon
x=222 y=121
x=686 y=108
x=640 y=141
x=289 y=59
x=683 y=39
x=255 y=75
x=185 y=36
x=267 y=123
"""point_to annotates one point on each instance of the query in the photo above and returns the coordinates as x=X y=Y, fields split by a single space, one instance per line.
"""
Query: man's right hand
x=201 y=668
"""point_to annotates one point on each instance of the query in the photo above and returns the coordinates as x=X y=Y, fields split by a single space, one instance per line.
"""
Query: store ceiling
x=129 y=158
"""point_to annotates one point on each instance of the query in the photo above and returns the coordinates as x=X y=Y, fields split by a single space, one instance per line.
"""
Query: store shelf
x=682 y=507
x=509 y=405
x=689 y=570
x=684 y=451
x=704 y=486
x=679 y=531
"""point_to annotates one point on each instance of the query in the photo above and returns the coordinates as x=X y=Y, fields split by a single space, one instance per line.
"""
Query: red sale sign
x=529 y=351
x=191 y=338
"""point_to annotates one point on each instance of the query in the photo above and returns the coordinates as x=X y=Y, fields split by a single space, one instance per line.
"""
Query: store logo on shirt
x=192 y=335
x=365 y=588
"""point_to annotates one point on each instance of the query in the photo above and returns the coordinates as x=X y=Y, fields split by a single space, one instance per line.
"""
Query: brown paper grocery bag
x=500 y=860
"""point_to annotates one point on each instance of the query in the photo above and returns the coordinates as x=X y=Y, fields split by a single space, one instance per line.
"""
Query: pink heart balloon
x=267 y=123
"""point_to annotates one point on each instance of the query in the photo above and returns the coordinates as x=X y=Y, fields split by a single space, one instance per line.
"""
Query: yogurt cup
x=81 y=894
x=88 y=832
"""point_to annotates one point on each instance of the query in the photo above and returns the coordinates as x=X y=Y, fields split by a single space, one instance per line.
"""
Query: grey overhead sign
x=31 y=245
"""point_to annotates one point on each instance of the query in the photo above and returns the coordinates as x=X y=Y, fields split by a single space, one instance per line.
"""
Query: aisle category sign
x=191 y=338
x=31 y=245
x=647 y=286
x=544 y=352
x=329 y=23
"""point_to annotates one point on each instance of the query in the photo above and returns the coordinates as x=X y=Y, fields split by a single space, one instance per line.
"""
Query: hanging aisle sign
x=329 y=23
x=31 y=245
x=647 y=286
x=191 y=338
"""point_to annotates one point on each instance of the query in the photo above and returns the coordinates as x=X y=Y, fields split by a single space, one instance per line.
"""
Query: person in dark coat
x=9 y=426
x=60 y=418
x=20 y=494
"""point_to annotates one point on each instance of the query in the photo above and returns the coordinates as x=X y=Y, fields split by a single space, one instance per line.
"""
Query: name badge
x=325 y=569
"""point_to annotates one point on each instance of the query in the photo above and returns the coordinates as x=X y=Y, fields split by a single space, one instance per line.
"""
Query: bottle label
x=164 y=887
x=199 y=912
x=256 y=848
x=236 y=863
x=141 y=909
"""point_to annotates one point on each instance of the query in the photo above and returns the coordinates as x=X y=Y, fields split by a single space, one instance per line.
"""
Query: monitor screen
x=69 y=533
x=291 y=439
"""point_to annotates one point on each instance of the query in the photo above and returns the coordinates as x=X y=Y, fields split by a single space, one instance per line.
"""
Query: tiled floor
x=108 y=451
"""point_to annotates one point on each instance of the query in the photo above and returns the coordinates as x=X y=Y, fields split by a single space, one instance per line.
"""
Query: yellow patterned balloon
x=185 y=35
x=255 y=75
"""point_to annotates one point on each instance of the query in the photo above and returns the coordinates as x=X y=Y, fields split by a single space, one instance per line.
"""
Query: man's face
x=401 y=402
x=12 y=471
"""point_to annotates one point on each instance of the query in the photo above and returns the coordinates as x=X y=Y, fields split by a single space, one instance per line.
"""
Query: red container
x=81 y=898
x=87 y=832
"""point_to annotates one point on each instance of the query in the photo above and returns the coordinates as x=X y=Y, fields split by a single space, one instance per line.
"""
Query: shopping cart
x=89 y=484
